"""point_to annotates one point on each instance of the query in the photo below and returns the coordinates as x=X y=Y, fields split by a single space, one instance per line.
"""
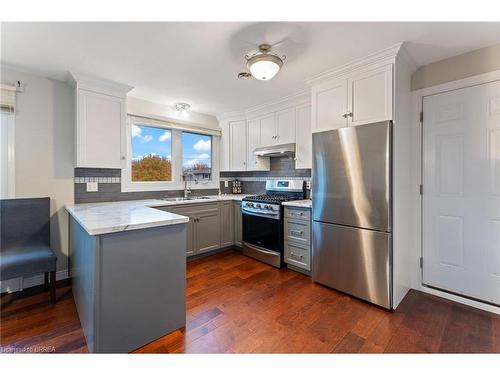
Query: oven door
x=263 y=238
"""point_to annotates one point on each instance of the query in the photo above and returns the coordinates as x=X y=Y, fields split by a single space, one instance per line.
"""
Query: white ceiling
x=197 y=62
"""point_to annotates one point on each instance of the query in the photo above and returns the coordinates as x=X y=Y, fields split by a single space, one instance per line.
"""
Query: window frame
x=177 y=183
x=10 y=174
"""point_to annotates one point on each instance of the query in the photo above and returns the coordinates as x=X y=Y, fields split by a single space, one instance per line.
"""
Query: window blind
x=7 y=99
x=172 y=125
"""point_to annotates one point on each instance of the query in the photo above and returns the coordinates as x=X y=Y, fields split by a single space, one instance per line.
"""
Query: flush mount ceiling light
x=262 y=64
x=182 y=107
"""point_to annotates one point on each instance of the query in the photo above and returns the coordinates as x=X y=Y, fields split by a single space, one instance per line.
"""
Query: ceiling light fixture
x=262 y=64
x=182 y=107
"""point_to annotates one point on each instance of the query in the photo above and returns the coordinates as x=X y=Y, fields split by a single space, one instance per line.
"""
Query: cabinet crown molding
x=99 y=85
x=386 y=55
x=303 y=97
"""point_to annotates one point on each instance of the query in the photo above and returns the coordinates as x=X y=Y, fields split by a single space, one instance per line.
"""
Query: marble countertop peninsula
x=112 y=217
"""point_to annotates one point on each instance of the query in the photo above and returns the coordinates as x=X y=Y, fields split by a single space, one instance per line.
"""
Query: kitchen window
x=157 y=154
x=197 y=156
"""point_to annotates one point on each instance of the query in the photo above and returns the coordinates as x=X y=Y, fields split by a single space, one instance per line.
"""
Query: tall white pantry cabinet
x=377 y=88
x=100 y=111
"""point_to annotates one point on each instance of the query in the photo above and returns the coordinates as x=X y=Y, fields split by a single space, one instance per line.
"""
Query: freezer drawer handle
x=296 y=232
x=297 y=213
x=296 y=256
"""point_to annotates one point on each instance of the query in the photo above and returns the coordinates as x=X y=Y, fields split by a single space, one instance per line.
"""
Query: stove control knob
x=271 y=208
x=249 y=204
x=267 y=207
x=258 y=205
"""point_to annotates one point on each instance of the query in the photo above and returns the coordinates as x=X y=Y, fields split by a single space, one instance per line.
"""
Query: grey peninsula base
x=130 y=286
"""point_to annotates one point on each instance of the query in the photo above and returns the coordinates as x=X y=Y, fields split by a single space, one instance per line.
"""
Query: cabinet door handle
x=344 y=115
x=296 y=232
x=297 y=213
x=349 y=114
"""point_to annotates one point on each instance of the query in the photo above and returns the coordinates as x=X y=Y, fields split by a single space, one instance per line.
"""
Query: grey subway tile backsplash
x=109 y=180
x=98 y=172
x=254 y=182
x=109 y=188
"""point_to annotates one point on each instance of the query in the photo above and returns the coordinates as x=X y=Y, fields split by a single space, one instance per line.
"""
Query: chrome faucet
x=187 y=190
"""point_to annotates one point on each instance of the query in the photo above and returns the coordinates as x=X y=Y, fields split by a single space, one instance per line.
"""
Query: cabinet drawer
x=298 y=230
x=298 y=255
x=296 y=213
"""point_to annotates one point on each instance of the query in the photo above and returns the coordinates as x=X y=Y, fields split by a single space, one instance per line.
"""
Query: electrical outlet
x=92 y=186
x=226 y=183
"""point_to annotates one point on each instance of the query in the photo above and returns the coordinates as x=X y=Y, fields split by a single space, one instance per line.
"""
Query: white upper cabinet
x=255 y=163
x=285 y=126
x=268 y=130
x=238 y=149
x=225 y=164
x=370 y=96
x=303 y=147
x=100 y=119
x=329 y=105
x=362 y=97
x=269 y=126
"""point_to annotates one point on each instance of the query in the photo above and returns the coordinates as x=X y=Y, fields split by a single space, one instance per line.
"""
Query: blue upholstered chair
x=25 y=240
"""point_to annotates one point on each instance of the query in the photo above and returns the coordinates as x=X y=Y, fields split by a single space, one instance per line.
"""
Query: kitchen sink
x=182 y=199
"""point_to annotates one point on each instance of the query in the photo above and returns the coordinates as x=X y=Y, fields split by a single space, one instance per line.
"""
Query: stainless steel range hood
x=277 y=150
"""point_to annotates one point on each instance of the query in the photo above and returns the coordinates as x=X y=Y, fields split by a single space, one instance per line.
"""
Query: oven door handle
x=262 y=250
x=247 y=211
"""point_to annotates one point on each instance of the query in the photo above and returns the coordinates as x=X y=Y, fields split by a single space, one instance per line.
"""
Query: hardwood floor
x=238 y=305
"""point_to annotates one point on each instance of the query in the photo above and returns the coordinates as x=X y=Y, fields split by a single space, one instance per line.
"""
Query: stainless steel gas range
x=263 y=220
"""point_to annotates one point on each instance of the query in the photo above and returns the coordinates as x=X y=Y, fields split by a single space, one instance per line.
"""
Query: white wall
x=44 y=148
x=468 y=64
x=165 y=112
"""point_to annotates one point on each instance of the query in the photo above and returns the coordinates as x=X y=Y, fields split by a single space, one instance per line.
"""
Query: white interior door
x=461 y=200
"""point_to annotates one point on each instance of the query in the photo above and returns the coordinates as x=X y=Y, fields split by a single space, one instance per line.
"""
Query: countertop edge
x=303 y=203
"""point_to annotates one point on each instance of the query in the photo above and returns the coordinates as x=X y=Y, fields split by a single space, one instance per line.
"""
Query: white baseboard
x=462 y=300
x=20 y=283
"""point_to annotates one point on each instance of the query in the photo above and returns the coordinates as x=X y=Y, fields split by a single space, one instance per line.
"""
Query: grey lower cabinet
x=226 y=223
x=298 y=237
x=129 y=287
x=211 y=226
x=203 y=230
x=238 y=228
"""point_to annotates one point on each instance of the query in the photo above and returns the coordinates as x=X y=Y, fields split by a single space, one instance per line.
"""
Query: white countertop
x=303 y=203
x=111 y=217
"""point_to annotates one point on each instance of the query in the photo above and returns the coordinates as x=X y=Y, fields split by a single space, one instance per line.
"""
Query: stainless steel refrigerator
x=352 y=199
